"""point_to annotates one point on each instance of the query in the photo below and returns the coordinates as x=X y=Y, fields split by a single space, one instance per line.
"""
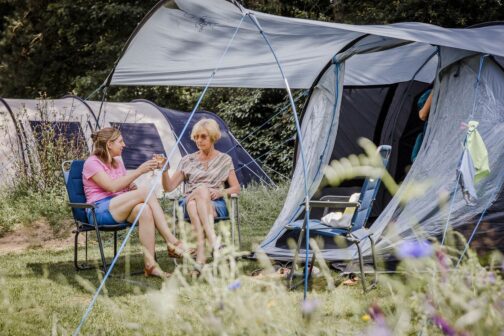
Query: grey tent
x=363 y=80
x=147 y=129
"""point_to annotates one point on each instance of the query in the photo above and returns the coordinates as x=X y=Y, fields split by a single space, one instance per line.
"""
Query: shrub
x=36 y=189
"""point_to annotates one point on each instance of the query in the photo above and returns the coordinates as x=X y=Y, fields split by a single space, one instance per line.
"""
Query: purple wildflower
x=491 y=278
x=234 y=285
x=445 y=327
x=380 y=326
x=411 y=249
x=309 y=306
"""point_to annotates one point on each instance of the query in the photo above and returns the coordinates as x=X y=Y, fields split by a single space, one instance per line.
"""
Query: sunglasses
x=200 y=136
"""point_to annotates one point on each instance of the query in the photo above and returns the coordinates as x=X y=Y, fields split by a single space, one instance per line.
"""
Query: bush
x=37 y=189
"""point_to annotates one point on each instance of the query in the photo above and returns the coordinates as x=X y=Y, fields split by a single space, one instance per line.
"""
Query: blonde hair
x=208 y=125
x=100 y=140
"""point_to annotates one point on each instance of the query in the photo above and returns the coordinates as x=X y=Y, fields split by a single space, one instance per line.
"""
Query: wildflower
x=445 y=327
x=377 y=314
x=443 y=262
x=366 y=317
x=308 y=307
x=234 y=285
x=380 y=326
x=491 y=278
x=414 y=250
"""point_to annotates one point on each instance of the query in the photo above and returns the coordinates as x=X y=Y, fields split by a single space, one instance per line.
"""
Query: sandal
x=178 y=250
x=196 y=272
x=352 y=281
x=149 y=271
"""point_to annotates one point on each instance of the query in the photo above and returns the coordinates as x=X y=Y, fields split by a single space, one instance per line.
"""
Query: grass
x=24 y=208
x=41 y=293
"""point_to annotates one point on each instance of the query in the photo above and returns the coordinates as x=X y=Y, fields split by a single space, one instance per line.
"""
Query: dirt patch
x=38 y=234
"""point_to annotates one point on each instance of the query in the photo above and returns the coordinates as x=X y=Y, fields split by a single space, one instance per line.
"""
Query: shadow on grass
x=119 y=283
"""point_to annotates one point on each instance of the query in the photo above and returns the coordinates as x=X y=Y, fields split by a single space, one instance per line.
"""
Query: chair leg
x=86 y=247
x=310 y=270
x=375 y=281
x=361 y=265
x=115 y=243
x=296 y=255
x=76 y=253
x=237 y=219
x=100 y=243
x=174 y=216
x=76 y=247
x=232 y=232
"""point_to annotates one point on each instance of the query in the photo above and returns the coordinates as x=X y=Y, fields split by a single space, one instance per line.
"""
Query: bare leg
x=200 y=234
x=121 y=206
x=205 y=213
x=160 y=221
x=146 y=231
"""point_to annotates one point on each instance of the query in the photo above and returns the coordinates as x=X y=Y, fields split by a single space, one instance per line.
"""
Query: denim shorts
x=103 y=215
x=219 y=205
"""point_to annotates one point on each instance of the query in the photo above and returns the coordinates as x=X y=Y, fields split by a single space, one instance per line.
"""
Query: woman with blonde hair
x=117 y=198
x=204 y=173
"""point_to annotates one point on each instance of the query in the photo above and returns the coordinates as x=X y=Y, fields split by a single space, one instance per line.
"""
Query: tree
x=66 y=46
x=57 y=47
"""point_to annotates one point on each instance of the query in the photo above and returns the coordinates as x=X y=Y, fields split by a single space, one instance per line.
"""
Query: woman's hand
x=147 y=166
x=215 y=194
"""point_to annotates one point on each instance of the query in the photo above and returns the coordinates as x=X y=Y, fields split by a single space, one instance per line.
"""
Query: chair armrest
x=334 y=204
x=358 y=235
x=82 y=205
x=335 y=198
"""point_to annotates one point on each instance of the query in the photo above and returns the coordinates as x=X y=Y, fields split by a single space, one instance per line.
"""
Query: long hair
x=100 y=140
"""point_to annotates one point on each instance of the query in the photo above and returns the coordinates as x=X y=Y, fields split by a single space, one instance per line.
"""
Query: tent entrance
x=385 y=114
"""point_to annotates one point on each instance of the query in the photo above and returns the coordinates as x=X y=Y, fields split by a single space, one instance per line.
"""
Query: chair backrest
x=368 y=192
x=75 y=188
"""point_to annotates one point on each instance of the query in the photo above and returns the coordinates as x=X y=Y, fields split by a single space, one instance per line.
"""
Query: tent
x=363 y=80
x=147 y=129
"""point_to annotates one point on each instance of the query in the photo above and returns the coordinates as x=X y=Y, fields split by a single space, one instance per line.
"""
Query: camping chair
x=233 y=217
x=72 y=172
x=356 y=232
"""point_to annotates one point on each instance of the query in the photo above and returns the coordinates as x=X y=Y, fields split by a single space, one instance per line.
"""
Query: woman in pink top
x=118 y=200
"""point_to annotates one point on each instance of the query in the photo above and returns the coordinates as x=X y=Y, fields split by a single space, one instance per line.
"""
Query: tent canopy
x=181 y=42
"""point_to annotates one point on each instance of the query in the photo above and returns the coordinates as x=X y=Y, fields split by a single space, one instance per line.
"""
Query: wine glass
x=160 y=158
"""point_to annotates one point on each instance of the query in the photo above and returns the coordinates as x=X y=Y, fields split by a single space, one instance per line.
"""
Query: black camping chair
x=72 y=172
x=356 y=232
x=233 y=217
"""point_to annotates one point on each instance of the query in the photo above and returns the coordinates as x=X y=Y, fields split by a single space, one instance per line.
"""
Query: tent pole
x=298 y=129
x=466 y=247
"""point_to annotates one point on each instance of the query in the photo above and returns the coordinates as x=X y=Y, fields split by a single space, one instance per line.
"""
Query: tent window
x=67 y=135
x=142 y=141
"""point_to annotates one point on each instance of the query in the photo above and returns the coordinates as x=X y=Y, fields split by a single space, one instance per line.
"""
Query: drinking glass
x=160 y=159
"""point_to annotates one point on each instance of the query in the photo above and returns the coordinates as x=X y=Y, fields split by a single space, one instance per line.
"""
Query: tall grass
x=36 y=189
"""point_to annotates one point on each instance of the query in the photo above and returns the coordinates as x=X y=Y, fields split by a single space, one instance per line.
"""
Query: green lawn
x=42 y=294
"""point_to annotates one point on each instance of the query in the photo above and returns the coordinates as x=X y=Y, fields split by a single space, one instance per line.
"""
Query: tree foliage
x=64 y=46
